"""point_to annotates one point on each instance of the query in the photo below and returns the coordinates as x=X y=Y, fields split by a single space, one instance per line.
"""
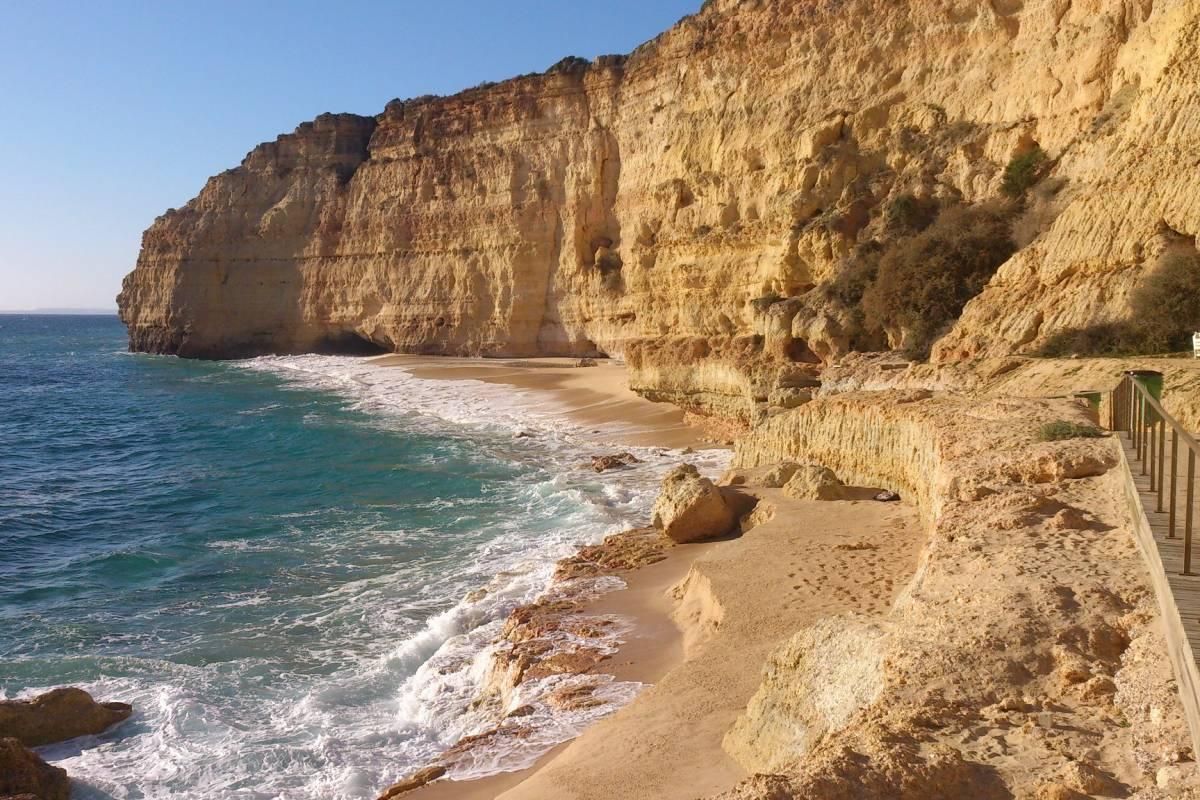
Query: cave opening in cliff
x=348 y=343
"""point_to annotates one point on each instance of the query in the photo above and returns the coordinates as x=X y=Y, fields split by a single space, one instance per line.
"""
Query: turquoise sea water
x=278 y=561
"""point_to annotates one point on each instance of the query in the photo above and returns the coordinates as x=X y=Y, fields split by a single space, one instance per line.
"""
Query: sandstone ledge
x=1023 y=659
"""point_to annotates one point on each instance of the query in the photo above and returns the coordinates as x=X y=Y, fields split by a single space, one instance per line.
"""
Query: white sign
x=1196 y=343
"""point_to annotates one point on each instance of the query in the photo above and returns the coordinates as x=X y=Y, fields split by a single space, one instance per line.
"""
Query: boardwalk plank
x=1185 y=588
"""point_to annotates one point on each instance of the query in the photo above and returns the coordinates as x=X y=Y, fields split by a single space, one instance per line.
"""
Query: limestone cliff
x=683 y=206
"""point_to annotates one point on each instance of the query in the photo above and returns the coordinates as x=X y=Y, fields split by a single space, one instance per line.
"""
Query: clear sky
x=112 y=112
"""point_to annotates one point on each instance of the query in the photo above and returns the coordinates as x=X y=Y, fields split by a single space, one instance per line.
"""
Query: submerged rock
x=414 y=781
x=615 y=461
x=23 y=774
x=575 y=698
x=691 y=508
x=58 y=715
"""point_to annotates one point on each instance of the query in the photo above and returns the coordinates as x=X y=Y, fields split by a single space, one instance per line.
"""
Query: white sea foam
x=362 y=722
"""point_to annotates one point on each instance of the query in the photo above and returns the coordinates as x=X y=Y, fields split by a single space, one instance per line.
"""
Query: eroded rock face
x=24 y=774
x=690 y=508
x=838 y=664
x=685 y=207
x=58 y=715
x=1028 y=626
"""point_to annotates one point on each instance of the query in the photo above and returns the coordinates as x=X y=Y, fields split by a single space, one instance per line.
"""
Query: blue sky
x=116 y=111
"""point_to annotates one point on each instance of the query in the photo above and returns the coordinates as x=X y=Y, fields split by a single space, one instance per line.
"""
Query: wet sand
x=596 y=396
x=705 y=619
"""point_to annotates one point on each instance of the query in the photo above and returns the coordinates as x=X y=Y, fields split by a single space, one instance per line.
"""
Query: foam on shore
x=447 y=662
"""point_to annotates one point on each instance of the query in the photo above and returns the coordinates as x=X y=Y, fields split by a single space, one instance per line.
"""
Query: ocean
x=293 y=567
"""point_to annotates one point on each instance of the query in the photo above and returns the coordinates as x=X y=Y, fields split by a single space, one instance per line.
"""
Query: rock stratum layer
x=658 y=206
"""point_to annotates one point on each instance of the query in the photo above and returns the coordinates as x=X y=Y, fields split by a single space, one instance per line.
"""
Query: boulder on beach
x=778 y=476
x=24 y=774
x=691 y=508
x=58 y=715
x=813 y=482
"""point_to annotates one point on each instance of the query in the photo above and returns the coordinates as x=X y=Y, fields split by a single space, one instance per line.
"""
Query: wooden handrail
x=1156 y=406
x=1134 y=409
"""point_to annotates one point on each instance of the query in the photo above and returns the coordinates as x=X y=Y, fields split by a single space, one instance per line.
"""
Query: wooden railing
x=1162 y=447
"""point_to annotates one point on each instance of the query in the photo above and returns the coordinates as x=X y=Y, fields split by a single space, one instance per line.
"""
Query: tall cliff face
x=660 y=206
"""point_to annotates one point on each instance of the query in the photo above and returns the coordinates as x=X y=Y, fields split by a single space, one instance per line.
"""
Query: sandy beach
x=590 y=396
x=651 y=650
x=706 y=617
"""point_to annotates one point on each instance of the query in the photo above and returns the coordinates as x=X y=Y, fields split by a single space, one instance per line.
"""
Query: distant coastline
x=60 y=312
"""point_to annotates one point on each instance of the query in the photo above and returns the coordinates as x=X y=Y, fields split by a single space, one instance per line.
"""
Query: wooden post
x=1153 y=461
x=1174 y=480
x=1187 y=515
x=1162 y=460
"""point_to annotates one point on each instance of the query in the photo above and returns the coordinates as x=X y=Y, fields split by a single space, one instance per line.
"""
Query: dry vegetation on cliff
x=637 y=206
x=1164 y=312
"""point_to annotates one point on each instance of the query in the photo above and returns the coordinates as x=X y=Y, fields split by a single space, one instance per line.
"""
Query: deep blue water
x=268 y=558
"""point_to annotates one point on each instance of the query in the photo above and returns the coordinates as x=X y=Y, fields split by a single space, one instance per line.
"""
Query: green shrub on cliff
x=1022 y=172
x=1102 y=339
x=1166 y=306
x=568 y=65
x=908 y=214
x=845 y=292
x=923 y=282
x=1061 y=429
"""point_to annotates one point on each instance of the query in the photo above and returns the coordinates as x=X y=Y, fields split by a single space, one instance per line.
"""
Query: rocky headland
x=846 y=234
x=699 y=206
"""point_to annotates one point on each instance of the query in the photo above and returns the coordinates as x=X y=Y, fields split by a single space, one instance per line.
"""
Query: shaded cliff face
x=658 y=207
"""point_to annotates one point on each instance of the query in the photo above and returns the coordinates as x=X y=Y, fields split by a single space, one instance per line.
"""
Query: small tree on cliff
x=1022 y=172
x=1166 y=306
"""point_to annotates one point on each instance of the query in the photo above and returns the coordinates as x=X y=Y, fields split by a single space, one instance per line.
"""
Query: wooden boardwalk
x=1184 y=588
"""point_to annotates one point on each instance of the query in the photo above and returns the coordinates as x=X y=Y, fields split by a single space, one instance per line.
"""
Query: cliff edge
x=700 y=206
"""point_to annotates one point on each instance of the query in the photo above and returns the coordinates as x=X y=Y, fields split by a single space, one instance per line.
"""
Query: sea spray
x=439 y=701
x=269 y=558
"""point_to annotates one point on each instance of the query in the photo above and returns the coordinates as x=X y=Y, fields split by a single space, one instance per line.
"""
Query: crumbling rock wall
x=1024 y=659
